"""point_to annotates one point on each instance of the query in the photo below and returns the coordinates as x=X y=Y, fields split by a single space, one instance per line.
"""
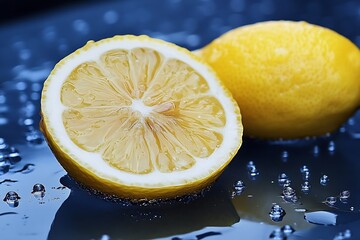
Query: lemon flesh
x=150 y=116
x=139 y=120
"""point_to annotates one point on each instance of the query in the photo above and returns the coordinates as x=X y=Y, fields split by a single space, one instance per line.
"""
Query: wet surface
x=306 y=189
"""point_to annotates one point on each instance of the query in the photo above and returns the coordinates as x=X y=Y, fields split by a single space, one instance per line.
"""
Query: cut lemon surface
x=139 y=118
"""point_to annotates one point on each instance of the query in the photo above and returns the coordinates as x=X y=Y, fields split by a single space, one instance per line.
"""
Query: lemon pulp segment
x=141 y=111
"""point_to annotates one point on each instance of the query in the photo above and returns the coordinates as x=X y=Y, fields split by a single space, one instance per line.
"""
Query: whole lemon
x=290 y=79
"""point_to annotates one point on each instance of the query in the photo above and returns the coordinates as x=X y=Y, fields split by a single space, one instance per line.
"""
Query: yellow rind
x=93 y=181
x=267 y=115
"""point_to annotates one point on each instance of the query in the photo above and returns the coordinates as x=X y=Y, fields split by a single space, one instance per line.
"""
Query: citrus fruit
x=139 y=118
x=290 y=79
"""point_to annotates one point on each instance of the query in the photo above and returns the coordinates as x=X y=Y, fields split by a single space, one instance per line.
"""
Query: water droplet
x=316 y=150
x=4 y=165
x=14 y=156
x=330 y=201
x=343 y=235
x=284 y=156
x=300 y=210
x=105 y=237
x=289 y=195
x=306 y=176
x=238 y=188
x=3 y=144
x=287 y=229
x=277 y=213
x=352 y=209
x=282 y=179
x=305 y=187
x=21 y=86
x=288 y=191
x=287 y=183
x=321 y=218
x=277 y=234
x=304 y=169
x=38 y=191
x=252 y=170
x=12 y=199
x=324 y=180
x=26 y=122
x=331 y=147
x=34 y=137
x=344 y=196
x=250 y=165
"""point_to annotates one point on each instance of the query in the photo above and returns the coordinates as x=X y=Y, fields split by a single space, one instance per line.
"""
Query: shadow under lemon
x=86 y=216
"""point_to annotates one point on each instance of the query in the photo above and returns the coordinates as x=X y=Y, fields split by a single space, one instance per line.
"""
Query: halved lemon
x=139 y=118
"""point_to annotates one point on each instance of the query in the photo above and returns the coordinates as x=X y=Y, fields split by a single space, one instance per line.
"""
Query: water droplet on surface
x=277 y=213
x=321 y=218
x=239 y=187
x=344 y=196
x=316 y=151
x=21 y=86
x=331 y=147
x=300 y=210
x=105 y=237
x=277 y=234
x=351 y=208
x=14 y=156
x=304 y=169
x=305 y=187
x=289 y=195
x=330 y=201
x=306 y=176
x=34 y=137
x=287 y=183
x=38 y=191
x=250 y=165
x=284 y=156
x=3 y=144
x=324 y=180
x=282 y=178
x=12 y=199
x=26 y=122
x=288 y=191
x=252 y=170
x=343 y=235
x=4 y=165
x=287 y=229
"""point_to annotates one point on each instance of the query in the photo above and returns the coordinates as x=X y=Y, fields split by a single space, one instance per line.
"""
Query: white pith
x=52 y=110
